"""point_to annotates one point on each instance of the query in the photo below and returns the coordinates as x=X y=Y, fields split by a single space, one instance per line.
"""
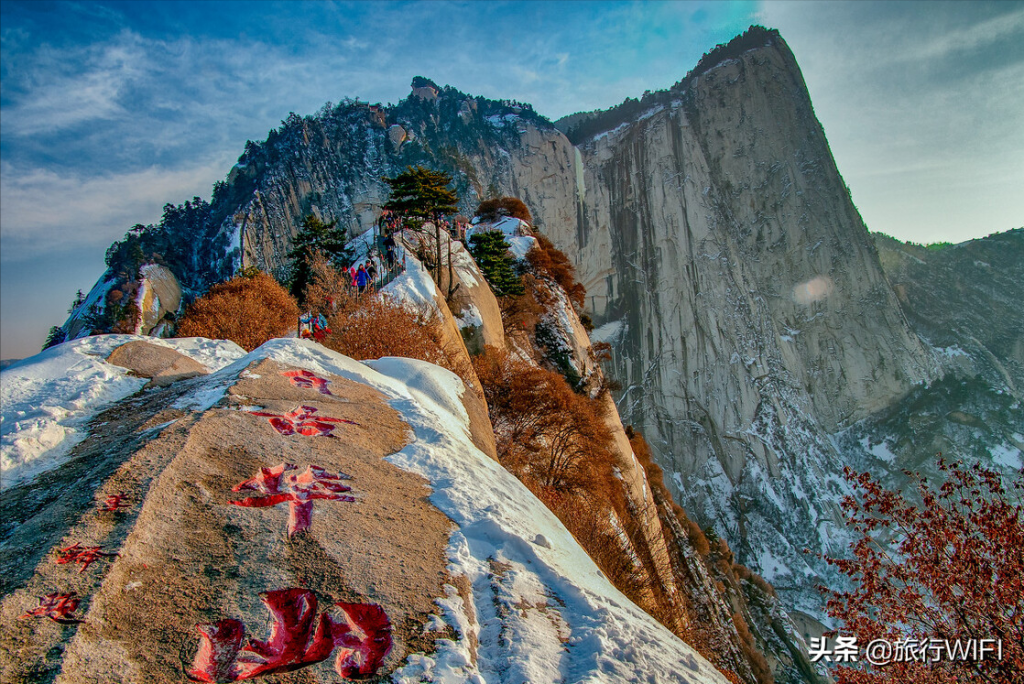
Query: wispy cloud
x=42 y=208
x=965 y=37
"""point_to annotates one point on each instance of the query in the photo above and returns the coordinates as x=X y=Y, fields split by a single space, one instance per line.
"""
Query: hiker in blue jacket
x=362 y=278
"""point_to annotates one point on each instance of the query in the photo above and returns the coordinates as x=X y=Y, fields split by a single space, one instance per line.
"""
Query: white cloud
x=964 y=38
x=42 y=208
x=69 y=87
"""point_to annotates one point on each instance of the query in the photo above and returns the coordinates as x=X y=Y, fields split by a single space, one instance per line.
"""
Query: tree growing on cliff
x=316 y=236
x=490 y=250
x=55 y=337
x=420 y=195
x=947 y=572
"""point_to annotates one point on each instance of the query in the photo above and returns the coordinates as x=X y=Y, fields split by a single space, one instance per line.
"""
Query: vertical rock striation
x=744 y=301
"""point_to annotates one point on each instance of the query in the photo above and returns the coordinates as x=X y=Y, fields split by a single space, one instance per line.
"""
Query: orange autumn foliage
x=548 y=261
x=546 y=433
x=371 y=326
x=249 y=309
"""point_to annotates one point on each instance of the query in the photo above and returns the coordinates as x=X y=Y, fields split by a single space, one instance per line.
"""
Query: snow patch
x=609 y=332
x=49 y=398
x=880 y=451
x=1007 y=456
x=469 y=317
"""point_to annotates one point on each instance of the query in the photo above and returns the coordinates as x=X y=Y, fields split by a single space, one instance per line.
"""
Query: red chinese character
x=301 y=420
x=298 y=637
x=307 y=380
x=86 y=555
x=114 y=503
x=363 y=641
x=285 y=483
x=57 y=607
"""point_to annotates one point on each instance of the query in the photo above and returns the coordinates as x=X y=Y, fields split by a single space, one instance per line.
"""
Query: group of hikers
x=364 y=277
x=381 y=262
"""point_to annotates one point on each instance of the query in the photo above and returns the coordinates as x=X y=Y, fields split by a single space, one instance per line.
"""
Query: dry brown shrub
x=545 y=432
x=697 y=538
x=248 y=310
x=371 y=326
x=549 y=261
x=521 y=313
x=493 y=209
x=586 y=519
x=758 y=665
x=556 y=443
x=762 y=584
x=730 y=675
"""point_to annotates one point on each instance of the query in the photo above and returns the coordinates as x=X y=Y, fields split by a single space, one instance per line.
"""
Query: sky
x=109 y=110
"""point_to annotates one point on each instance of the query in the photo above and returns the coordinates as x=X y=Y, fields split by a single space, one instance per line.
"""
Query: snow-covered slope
x=537 y=608
x=48 y=399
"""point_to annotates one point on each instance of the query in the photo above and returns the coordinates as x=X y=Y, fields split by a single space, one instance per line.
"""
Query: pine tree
x=56 y=336
x=316 y=236
x=490 y=249
x=420 y=195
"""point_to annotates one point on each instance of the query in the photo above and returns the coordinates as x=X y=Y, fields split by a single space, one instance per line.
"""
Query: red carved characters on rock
x=285 y=483
x=57 y=607
x=307 y=380
x=298 y=637
x=114 y=503
x=363 y=641
x=302 y=421
x=85 y=555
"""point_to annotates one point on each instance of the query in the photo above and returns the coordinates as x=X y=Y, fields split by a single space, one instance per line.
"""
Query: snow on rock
x=470 y=317
x=415 y=288
x=609 y=332
x=76 y=324
x=516 y=231
x=541 y=611
x=48 y=398
x=1008 y=456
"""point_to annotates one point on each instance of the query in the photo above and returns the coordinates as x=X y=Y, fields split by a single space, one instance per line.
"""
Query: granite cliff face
x=967 y=301
x=749 y=317
x=744 y=300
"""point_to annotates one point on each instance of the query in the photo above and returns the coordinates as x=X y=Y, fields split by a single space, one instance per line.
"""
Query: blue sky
x=108 y=110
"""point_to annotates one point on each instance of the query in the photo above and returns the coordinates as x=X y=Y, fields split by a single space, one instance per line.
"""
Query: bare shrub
x=371 y=326
x=557 y=444
x=758 y=665
x=544 y=431
x=248 y=310
x=584 y=517
x=549 y=261
x=494 y=209
x=697 y=538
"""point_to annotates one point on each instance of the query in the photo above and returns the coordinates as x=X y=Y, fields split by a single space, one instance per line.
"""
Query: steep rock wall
x=749 y=315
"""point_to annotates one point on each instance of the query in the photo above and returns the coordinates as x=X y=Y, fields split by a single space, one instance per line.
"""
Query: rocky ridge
x=749 y=317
